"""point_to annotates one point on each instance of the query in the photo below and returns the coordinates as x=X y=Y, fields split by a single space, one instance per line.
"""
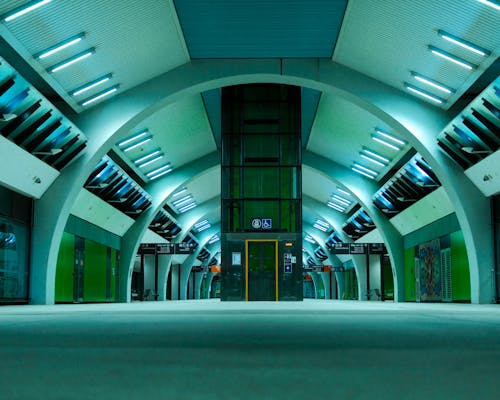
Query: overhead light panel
x=366 y=169
x=182 y=200
x=362 y=173
x=432 y=82
x=33 y=5
x=90 y=85
x=392 y=138
x=309 y=238
x=491 y=3
x=424 y=93
x=70 y=61
x=187 y=207
x=343 y=191
x=373 y=160
x=201 y=223
x=133 y=138
x=100 y=95
x=147 y=156
x=60 y=46
x=153 y=160
x=156 y=173
x=385 y=143
x=214 y=239
x=463 y=43
x=320 y=227
x=180 y=191
x=335 y=206
x=342 y=200
x=452 y=58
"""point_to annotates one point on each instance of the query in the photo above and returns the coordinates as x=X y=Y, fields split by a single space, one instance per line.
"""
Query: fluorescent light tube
x=432 y=83
x=320 y=227
x=133 y=138
x=179 y=192
x=376 y=155
x=201 y=223
x=153 y=177
x=143 y=158
x=323 y=223
x=25 y=9
x=491 y=3
x=202 y=228
x=424 y=93
x=463 y=43
x=66 y=63
x=362 y=167
x=213 y=239
x=310 y=239
x=368 y=158
x=343 y=191
x=382 y=141
x=187 y=207
x=150 y=161
x=100 y=95
x=335 y=206
x=390 y=137
x=159 y=169
x=340 y=199
x=452 y=58
x=60 y=46
x=182 y=200
x=362 y=173
x=137 y=145
x=90 y=85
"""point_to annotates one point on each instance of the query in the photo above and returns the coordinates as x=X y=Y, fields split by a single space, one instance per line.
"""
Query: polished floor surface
x=212 y=350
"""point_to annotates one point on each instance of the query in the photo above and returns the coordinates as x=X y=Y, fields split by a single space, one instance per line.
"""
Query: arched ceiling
x=135 y=41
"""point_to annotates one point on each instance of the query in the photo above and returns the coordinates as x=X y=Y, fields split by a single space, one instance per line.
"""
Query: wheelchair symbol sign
x=267 y=223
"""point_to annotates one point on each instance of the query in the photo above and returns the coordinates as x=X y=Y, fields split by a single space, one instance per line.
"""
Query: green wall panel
x=460 y=274
x=113 y=286
x=410 y=274
x=95 y=272
x=64 y=269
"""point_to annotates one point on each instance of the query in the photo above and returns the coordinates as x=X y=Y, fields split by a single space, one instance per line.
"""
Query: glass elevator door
x=262 y=270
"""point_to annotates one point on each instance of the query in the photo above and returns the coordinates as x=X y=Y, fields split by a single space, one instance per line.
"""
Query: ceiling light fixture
x=150 y=161
x=134 y=138
x=362 y=167
x=362 y=173
x=320 y=227
x=60 y=46
x=180 y=191
x=214 y=239
x=390 y=137
x=452 y=58
x=143 y=158
x=187 y=207
x=463 y=43
x=491 y=3
x=166 y=171
x=335 y=206
x=25 y=9
x=385 y=143
x=51 y=152
x=100 y=95
x=157 y=170
x=201 y=223
x=343 y=191
x=424 y=93
x=323 y=223
x=372 y=160
x=310 y=239
x=182 y=200
x=134 y=146
x=432 y=82
x=70 y=61
x=340 y=199
x=90 y=85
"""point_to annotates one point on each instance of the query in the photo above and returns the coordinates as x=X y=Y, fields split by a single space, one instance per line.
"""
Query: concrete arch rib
x=160 y=191
x=363 y=190
x=103 y=125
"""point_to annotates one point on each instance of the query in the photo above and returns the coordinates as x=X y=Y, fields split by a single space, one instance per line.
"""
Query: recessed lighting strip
x=60 y=46
x=463 y=43
x=390 y=137
x=100 y=95
x=323 y=223
x=33 y=5
x=372 y=160
x=340 y=199
x=144 y=141
x=335 y=206
x=90 y=85
x=433 y=83
x=201 y=223
x=385 y=143
x=182 y=200
x=160 y=174
x=375 y=155
x=70 y=61
x=366 y=169
x=362 y=173
x=452 y=58
x=153 y=160
x=320 y=227
x=144 y=158
x=343 y=191
x=159 y=169
x=491 y=3
x=187 y=208
x=424 y=93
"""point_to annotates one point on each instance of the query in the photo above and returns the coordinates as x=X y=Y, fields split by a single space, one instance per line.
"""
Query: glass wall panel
x=14 y=240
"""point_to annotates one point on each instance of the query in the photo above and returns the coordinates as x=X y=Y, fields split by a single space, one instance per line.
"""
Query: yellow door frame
x=275 y=262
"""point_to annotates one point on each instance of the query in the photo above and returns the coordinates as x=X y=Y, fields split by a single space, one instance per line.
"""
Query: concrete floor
x=211 y=350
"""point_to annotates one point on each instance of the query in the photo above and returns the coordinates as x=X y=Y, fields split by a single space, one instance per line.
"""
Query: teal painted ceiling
x=260 y=29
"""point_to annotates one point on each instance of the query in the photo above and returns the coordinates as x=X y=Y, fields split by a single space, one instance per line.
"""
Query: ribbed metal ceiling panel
x=260 y=29
x=387 y=40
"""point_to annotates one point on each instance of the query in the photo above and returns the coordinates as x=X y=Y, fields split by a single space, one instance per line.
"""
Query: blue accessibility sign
x=267 y=223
